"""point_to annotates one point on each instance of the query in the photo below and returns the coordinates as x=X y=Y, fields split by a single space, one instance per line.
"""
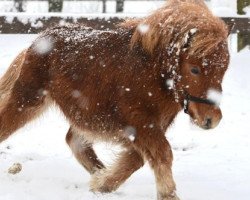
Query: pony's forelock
x=181 y=24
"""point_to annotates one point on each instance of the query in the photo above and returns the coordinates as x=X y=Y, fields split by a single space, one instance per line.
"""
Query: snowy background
x=225 y=7
x=208 y=165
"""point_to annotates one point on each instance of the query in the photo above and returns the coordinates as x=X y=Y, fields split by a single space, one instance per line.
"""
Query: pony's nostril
x=208 y=123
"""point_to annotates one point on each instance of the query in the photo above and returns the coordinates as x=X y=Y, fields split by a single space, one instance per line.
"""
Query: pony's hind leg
x=83 y=151
x=109 y=179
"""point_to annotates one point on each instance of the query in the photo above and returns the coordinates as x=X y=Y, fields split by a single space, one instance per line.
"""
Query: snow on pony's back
x=70 y=34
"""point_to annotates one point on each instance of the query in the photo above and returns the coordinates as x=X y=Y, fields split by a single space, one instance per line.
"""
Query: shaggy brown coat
x=111 y=86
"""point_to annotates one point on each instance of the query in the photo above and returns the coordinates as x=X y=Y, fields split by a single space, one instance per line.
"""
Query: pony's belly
x=92 y=136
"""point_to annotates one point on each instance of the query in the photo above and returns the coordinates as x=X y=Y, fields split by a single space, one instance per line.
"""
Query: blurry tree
x=55 y=5
x=119 y=5
x=18 y=4
x=241 y=4
x=243 y=37
x=104 y=6
x=243 y=40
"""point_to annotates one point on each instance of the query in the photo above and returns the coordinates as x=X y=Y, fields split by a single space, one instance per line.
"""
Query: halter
x=189 y=98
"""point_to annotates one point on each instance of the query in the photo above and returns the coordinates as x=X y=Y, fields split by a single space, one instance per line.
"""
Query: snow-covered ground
x=208 y=165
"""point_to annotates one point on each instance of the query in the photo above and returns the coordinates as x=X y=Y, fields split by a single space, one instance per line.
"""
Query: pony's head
x=191 y=44
x=199 y=87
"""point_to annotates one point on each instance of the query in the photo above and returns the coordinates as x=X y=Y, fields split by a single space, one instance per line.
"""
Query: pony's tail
x=20 y=96
x=11 y=75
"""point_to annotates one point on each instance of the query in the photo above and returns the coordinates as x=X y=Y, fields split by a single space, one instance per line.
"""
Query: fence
x=57 y=5
x=30 y=23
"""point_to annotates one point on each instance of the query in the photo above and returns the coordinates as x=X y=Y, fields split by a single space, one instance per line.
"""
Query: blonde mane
x=180 y=24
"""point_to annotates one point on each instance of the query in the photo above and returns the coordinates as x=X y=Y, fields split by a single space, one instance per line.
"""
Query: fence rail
x=26 y=23
x=57 y=5
x=18 y=23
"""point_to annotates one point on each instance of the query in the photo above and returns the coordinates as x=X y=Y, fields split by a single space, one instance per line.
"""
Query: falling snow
x=170 y=83
x=143 y=28
x=130 y=133
x=42 y=92
x=76 y=93
x=43 y=45
x=215 y=96
x=151 y=126
x=204 y=151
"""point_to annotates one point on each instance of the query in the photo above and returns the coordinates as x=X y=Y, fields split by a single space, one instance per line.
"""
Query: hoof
x=100 y=182
x=172 y=196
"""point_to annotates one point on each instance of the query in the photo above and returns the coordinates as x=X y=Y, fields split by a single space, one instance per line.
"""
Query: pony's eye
x=195 y=70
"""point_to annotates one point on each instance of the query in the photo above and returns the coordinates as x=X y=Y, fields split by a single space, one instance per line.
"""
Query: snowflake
x=170 y=83
x=130 y=133
x=76 y=93
x=214 y=96
x=150 y=94
x=143 y=28
x=43 y=45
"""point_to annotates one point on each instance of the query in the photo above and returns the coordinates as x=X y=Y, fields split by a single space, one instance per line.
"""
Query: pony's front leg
x=152 y=143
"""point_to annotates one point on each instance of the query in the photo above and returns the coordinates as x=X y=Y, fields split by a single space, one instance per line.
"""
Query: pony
x=124 y=86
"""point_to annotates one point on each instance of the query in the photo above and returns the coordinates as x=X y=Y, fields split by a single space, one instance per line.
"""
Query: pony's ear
x=230 y=27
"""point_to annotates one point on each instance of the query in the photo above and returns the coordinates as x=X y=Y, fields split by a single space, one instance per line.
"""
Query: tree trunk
x=18 y=4
x=119 y=5
x=55 y=5
x=241 y=4
x=243 y=40
x=103 y=6
x=243 y=37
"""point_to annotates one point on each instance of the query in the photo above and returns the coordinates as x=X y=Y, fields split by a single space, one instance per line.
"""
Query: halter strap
x=189 y=98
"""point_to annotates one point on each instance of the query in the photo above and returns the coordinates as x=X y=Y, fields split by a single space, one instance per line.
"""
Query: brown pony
x=124 y=86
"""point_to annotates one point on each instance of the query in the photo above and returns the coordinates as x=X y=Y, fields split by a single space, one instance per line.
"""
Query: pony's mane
x=180 y=24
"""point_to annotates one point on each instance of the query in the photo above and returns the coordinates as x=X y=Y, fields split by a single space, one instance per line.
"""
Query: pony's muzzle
x=205 y=116
x=210 y=123
x=213 y=121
